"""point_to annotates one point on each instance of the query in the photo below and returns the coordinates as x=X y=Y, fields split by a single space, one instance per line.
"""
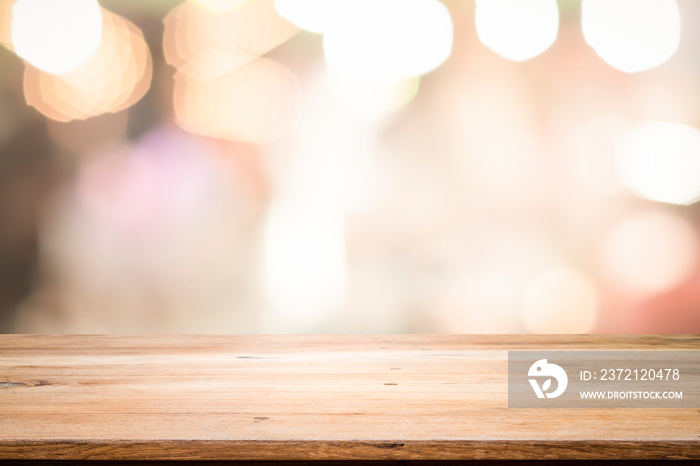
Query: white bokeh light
x=304 y=265
x=385 y=38
x=56 y=36
x=661 y=162
x=310 y=15
x=561 y=300
x=632 y=35
x=372 y=97
x=517 y=29
x=649 y=252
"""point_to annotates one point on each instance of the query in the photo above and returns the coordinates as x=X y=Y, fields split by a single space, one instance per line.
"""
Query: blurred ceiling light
x=206 y=44
x=517 y=29
x=389 y=38
x=632 y=35
x=561 y=300
x=372 y=97
x=661 y=162
x=56 y=36
x=310 y=15
x=652 y=251
x=113 y=79
x=256 y=103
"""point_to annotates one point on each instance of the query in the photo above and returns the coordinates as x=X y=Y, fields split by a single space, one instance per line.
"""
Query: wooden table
x=311 y=397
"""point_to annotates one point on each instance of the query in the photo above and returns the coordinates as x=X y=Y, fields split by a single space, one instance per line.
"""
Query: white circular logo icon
x=542 y=368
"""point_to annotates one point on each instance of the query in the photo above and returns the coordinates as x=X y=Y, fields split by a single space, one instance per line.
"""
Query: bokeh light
x=205 y=43
x=305 y=255
x=632 y=35
x=6 y=23
x=113 y=79
x=487 y=295
x=372 y=97
x=132 y=187
x=561 y=300
x=56 y=36
x=256 y=103
x=650 y=252
x=407 y=166
x=661 y=162
x=517 y=29
x=310 y=15
x=389 y=38
x=304 y=265
x=159 y=222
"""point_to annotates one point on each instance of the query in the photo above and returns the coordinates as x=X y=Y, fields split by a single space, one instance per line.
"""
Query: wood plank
x=311 y=397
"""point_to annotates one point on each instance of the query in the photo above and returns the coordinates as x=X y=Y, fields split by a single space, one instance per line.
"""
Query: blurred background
x=373 y=166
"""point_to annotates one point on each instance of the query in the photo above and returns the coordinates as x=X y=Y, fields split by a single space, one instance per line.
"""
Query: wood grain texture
x=310 y=397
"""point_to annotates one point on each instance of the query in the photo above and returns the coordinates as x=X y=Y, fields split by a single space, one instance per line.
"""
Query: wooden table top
x=311 y=397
